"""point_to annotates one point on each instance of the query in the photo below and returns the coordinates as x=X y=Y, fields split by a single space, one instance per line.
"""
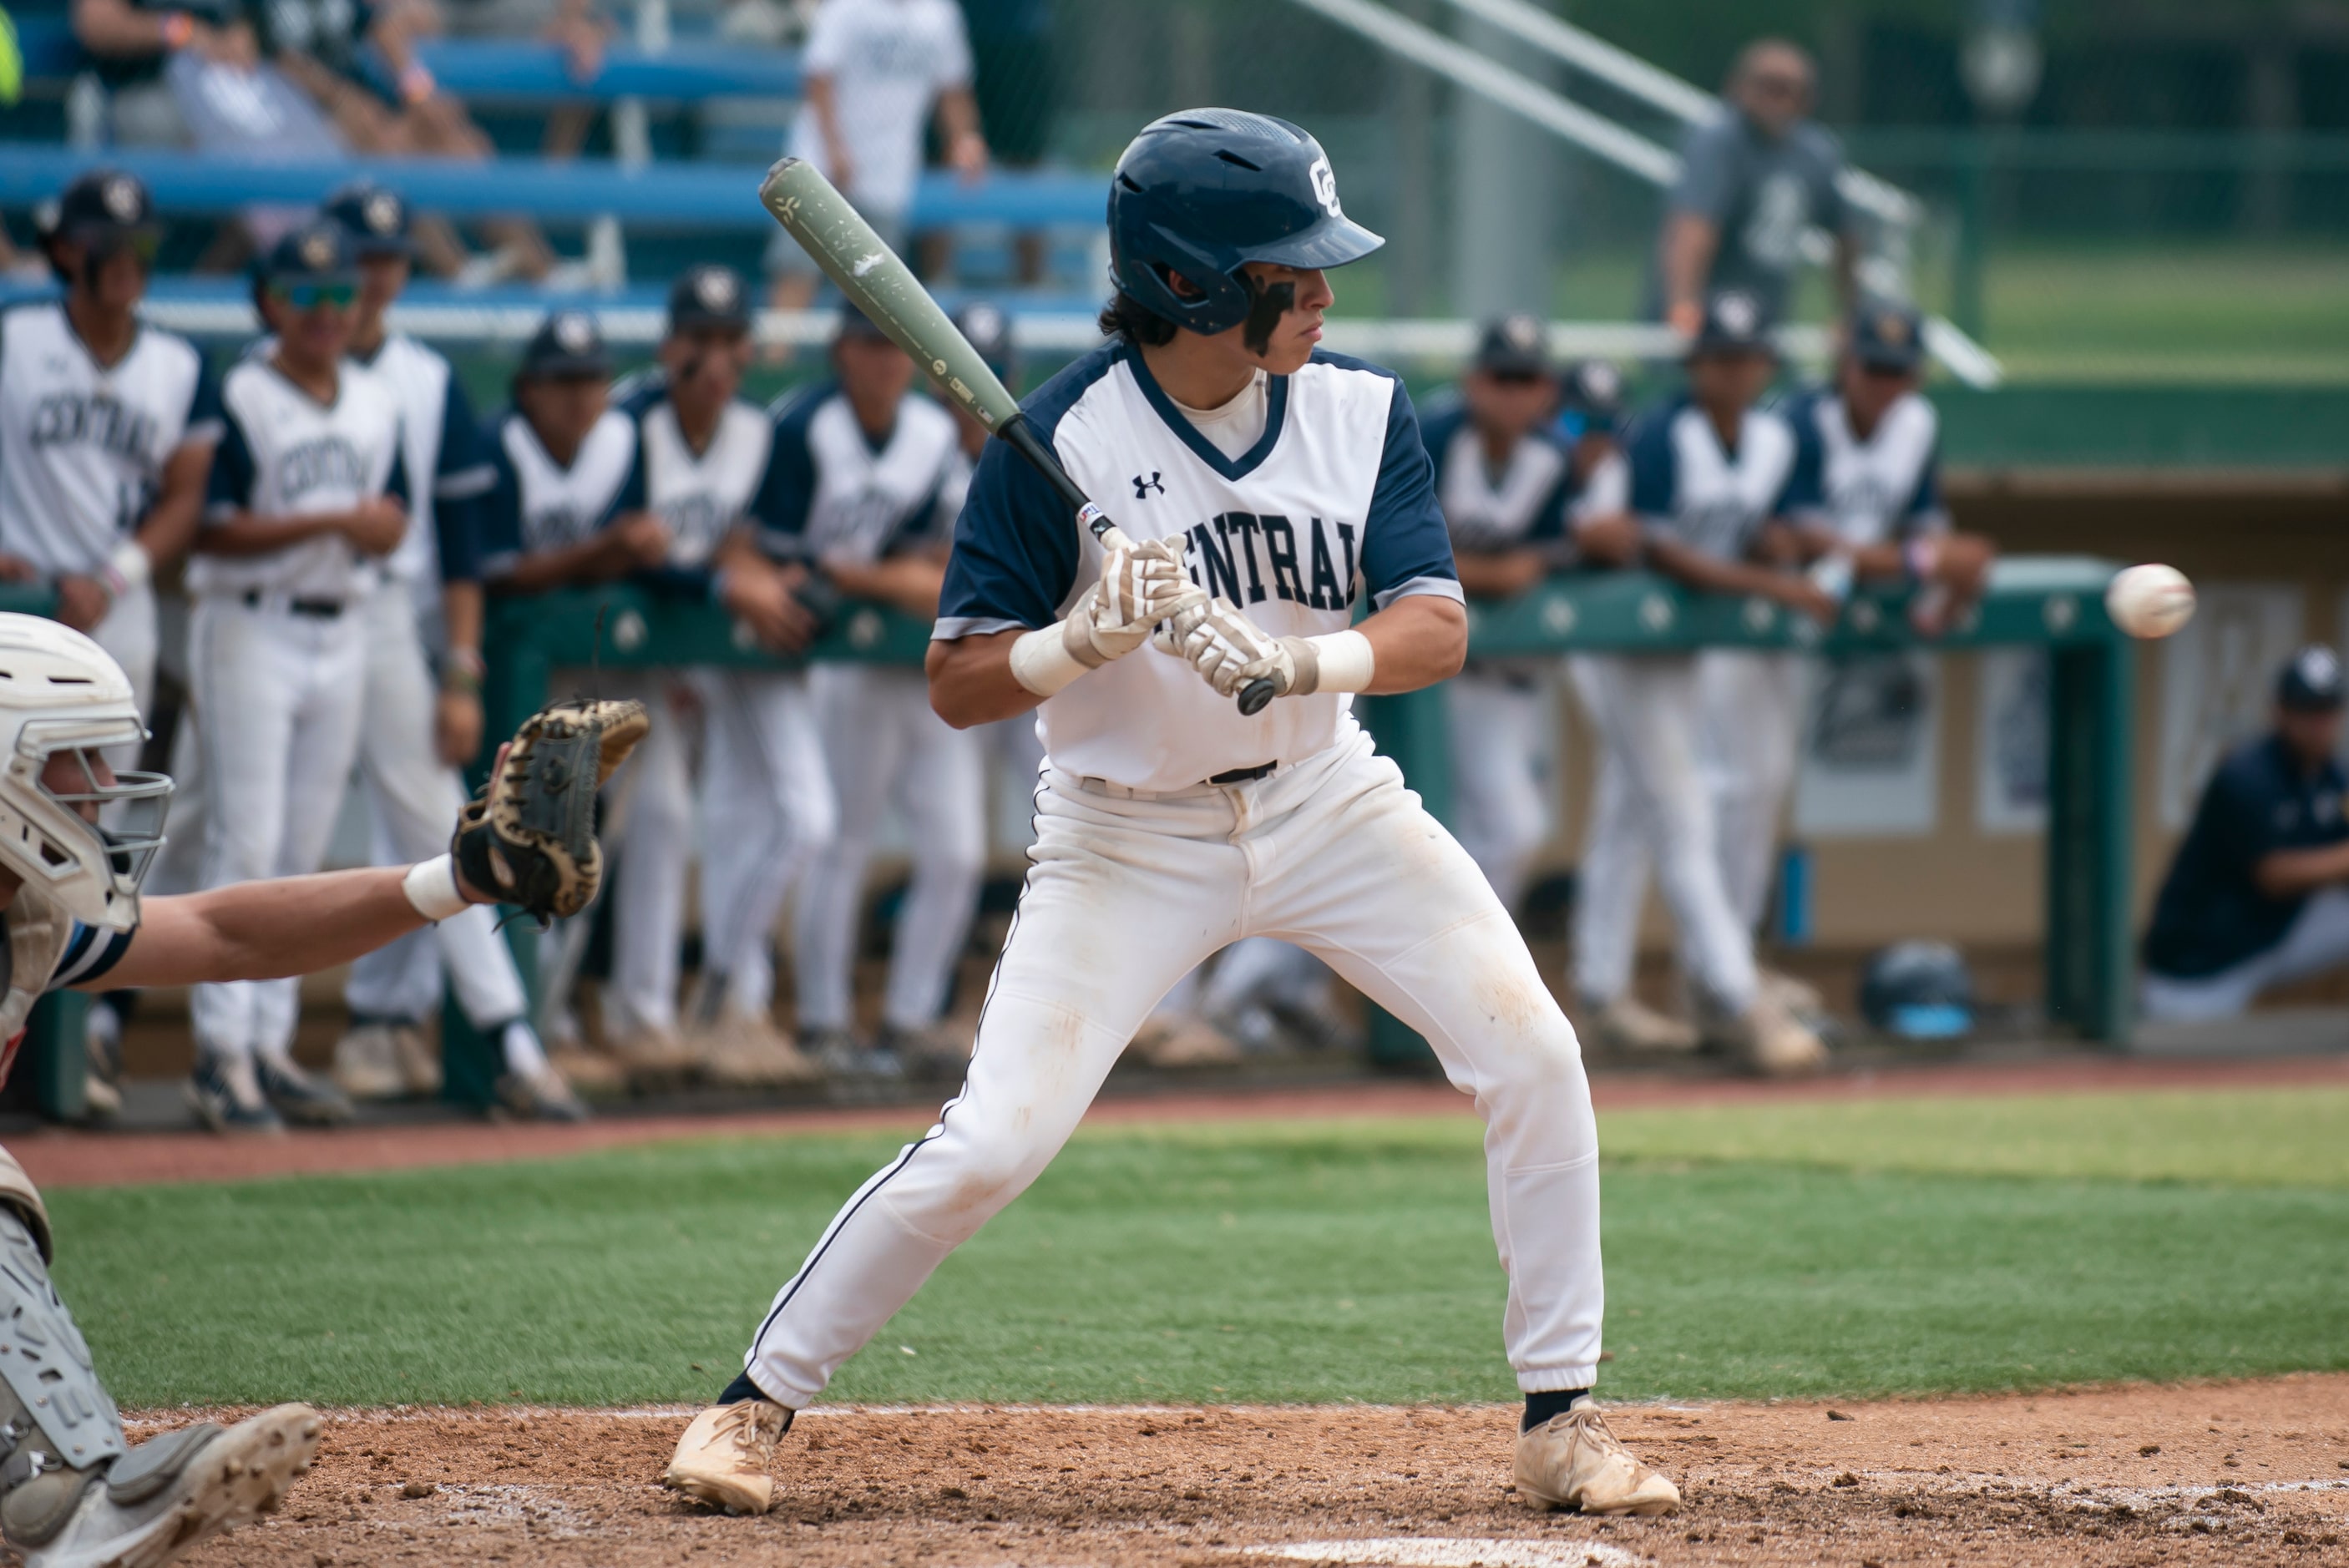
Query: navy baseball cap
x=319 y=252
x=105 y=207
x=2310 y=682
x=1735 y=322
x=1888 y=335
x=566 y=346
x=989 y=330
x=855 y=323
x=709 y=297
x=375 y=218
x=1592 y=390
x=1515 y=345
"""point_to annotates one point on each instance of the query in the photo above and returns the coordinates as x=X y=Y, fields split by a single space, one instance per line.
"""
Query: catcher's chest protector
x=37 y=930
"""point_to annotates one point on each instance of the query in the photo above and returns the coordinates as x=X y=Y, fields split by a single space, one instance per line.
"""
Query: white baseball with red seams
x=2150 y=601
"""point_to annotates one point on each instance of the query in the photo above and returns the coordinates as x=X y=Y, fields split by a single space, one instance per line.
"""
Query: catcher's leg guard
x=58 y=1428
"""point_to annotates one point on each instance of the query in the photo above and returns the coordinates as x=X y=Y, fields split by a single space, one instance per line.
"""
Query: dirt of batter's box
x=2242 y=1474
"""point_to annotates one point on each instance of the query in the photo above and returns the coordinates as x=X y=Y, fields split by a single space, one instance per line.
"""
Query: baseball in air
x=2150 y=600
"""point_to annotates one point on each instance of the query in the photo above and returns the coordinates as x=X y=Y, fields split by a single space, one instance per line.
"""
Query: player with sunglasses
x=308 y=495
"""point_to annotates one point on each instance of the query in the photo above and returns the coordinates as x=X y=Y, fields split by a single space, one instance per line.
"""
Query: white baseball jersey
x=536 y=504
x=700 y=495
x=286 y=455
x=1335 y=498
x=440 y=446
x=834 y=493
x=888 y=60
x=1686 y=488
x=1532 y=500
x=83 y=446
x=1885 y=488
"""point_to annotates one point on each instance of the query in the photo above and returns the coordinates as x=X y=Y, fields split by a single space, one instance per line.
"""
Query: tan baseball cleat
x=1574 y=1461
x=1778 y=1044
x=723 y=1456
x=1627 y=1024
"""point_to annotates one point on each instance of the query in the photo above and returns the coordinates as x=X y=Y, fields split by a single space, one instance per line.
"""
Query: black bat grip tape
x=1257 y=695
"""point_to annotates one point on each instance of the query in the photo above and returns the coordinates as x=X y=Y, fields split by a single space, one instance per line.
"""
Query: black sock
x=739 y=1389
x=1540 y=1408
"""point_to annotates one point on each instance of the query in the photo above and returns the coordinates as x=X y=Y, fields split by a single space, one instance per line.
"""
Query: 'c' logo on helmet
x=1325 y=187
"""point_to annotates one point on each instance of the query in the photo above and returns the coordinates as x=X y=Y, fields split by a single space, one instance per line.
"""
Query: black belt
x=1243 y=775
x=316 y=609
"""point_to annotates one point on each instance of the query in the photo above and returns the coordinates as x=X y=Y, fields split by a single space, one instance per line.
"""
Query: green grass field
x=1852 y=1248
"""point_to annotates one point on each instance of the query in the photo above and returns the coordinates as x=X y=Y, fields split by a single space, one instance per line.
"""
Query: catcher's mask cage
x=62 y=695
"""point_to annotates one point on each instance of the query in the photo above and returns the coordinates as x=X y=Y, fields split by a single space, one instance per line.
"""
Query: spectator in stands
x=2258 y=894
x=132 y=42
x=1754 y=179
x=574 y=26
x=874 y=71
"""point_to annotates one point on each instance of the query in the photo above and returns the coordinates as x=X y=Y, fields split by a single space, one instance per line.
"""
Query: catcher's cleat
x=366 y=1063
x=174 y=1490
x=540 y=1096
x=225 y=1094
x=723 y=1456
x=1627 y=1024
x=1573 y=1461
x=298 y=1096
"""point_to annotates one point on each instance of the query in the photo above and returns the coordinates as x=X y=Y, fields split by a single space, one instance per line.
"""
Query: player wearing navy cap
x=1709 y=474
x=1521 y=504
x=1276 y=485
x=2258 y=894
x=863 y=468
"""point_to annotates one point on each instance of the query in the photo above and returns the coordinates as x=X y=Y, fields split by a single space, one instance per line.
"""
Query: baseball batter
x=308 y=494
x=1709 y=471
x=417 y=730
x=705 y=469
x=1521 y=503
x=72 y=1494
x=1282 y=484
x=865 y=467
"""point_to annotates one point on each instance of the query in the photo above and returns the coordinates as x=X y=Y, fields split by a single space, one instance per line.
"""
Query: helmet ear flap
x=1223 y=301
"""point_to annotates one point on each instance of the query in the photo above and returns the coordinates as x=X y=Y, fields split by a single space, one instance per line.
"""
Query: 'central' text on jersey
x=1310 y=563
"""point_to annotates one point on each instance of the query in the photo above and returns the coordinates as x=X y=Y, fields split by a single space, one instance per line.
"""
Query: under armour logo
x=1143 y=486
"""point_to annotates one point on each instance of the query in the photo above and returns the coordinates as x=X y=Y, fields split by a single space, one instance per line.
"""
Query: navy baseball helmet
x=1918 y=991
x=105 y=208
x=1735 y=322
x=1516 y=345
x=709 y=297
x=566 y=346
x=1886 y=334
x=317 y=251
x=375 y=218
x=1204 y=193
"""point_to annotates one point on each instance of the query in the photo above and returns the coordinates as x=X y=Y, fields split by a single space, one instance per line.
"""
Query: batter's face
x=1730 y=380
x=875 y=372
x=1297 y=333
x=1508 y=405
x=562 y=409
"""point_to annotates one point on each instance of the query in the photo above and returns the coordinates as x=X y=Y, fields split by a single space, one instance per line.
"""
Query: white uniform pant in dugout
x=1125 y=896
x=1752 y=741
x=128 y=631
x=885 y=748
x=278 y=695
x=414 y=799
x=1502 y=783
x=1653 y=804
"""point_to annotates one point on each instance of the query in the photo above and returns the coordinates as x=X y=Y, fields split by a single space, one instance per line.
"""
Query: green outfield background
x=1870 y=1247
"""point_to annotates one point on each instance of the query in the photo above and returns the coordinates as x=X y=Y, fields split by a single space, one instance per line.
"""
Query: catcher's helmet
x=1207 y=191
x=1918 y=991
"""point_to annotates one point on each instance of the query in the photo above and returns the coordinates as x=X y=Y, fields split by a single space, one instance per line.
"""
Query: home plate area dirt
x=2240 y=1473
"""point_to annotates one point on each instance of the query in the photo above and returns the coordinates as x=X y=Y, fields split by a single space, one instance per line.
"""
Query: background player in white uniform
x=73 y=1492
x=704 y=458
x=417 y=732
x=1708 y=472
x=107 y=429
x=861 y=469
x=1520 y=506
x=308 y=493
x=1170 y=824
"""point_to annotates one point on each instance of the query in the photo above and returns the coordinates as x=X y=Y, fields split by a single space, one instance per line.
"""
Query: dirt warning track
x=2242 y=1474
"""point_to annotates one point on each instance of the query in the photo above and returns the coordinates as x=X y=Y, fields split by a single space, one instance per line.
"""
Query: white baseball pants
x=1750 y=740
x=414 y=800
x=1127 y=894
x=767 y=810
x=1652 y=805
x=1502 y=781
x=280 y=695
x=653 y=792
x=2317 y=940
x=129 y=633
x=884 y=747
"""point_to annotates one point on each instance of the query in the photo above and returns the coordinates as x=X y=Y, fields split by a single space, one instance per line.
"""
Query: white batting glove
x=1222 y=643
x=1140 y=586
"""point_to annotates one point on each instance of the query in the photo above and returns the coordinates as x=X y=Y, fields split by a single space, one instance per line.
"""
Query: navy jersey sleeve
x=631 y=495
x=457 y=530
x=1654 y=476
x=779 y=512
x=1925 y=512
x=205 y=419
x=465 y=464
x=497 y=512
x=1015 y=552
x=1406 y=548
x=230 y=488
x=89 y=952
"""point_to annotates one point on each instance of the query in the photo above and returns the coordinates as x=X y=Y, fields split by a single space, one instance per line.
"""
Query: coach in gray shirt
x=1753 y=178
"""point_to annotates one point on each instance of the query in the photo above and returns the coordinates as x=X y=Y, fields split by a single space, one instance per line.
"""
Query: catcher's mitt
x=529 y=836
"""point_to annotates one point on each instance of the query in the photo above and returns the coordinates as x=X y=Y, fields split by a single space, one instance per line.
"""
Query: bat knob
x=1256 y=695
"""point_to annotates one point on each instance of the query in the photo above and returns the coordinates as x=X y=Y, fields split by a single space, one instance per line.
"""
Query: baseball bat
x=869 y=272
